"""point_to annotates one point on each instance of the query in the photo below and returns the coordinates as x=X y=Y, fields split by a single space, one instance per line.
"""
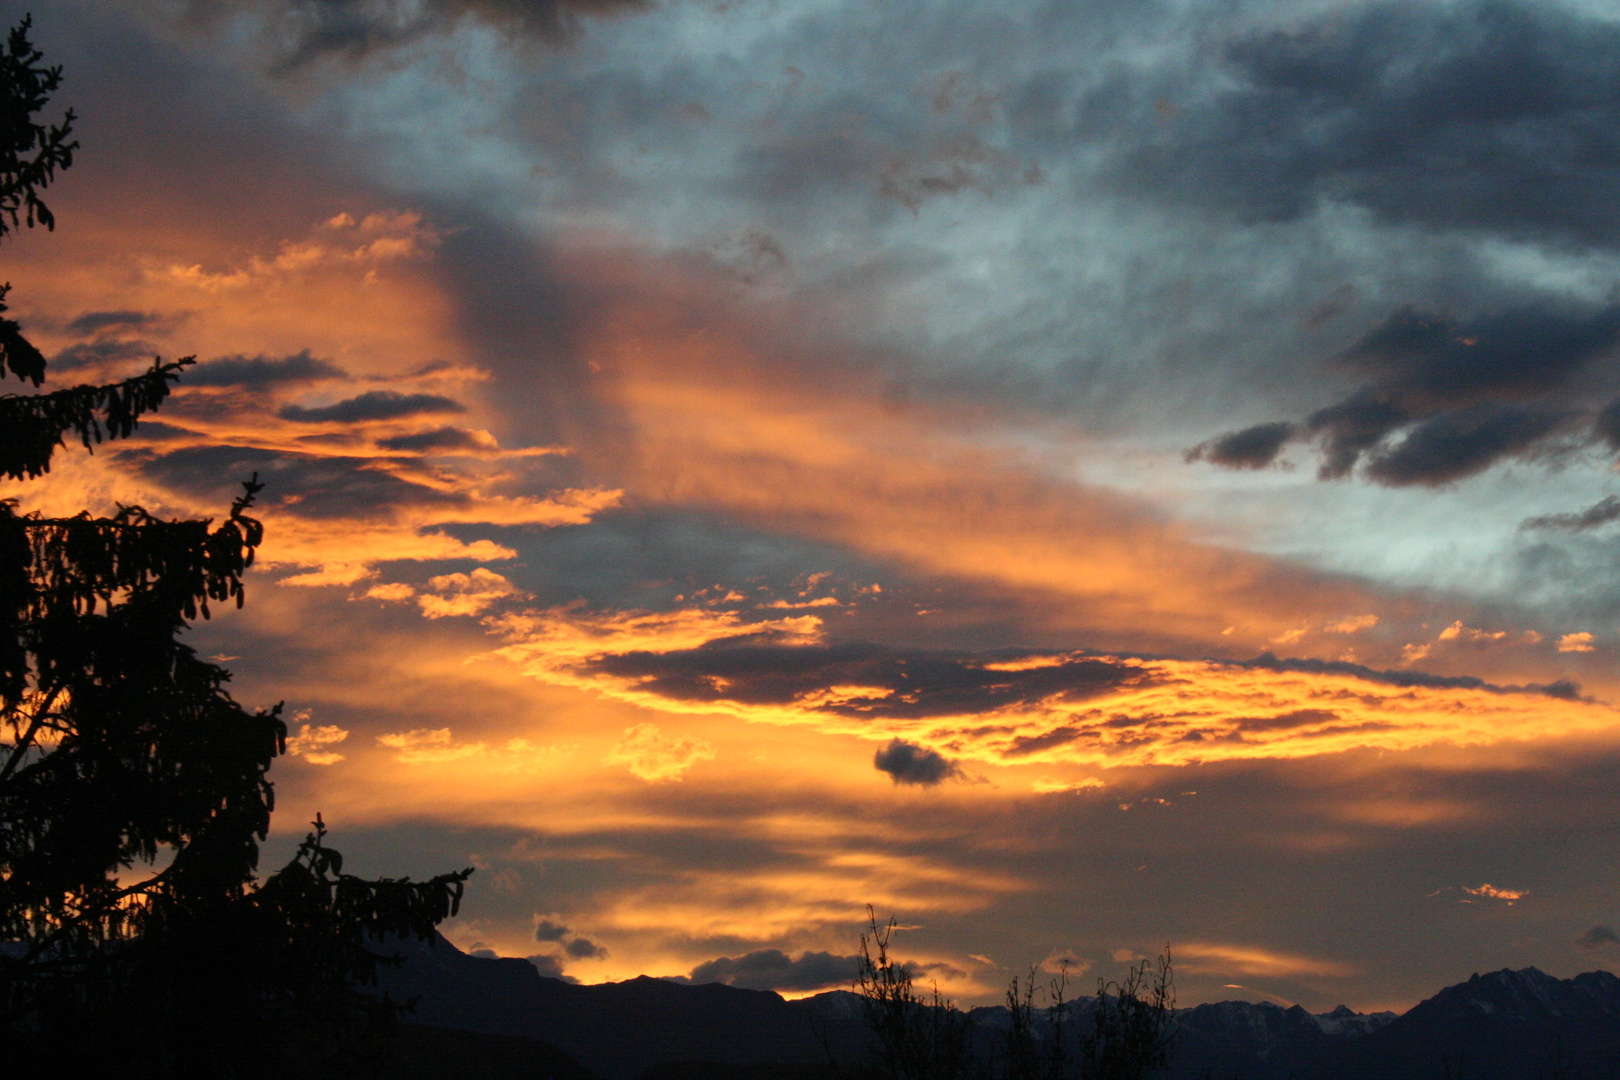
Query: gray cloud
x=920 y=683
x=258 y=372
x=1607 y=424
x=1463 y=395
x=444 y=438
x=550 y=931
x=1598 y=937
x=312 y=487
x=908 y=763
x=1600 y=513
x=584 y=949
x=93 y=321
x=106 y=351
x=772 y=969
x=1251 y=448
x=373 y=405
x=1562 y=689
x=1489 y=115
x=354 y=29
x=1458 y=444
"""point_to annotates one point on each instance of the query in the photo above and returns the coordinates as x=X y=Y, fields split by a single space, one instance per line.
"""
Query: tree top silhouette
x=134 y=792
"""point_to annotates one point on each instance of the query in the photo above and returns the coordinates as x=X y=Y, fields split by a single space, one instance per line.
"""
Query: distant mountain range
x=490 y=1019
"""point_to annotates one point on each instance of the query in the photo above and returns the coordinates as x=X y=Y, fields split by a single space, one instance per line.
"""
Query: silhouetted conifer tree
x=133 y=788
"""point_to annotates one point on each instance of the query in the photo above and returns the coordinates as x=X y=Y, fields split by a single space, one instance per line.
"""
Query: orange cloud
x=741 y=419
x=464 y=594
x=1198 y=957
x=1352 y=625
x=1491 y=892
x=310 y=742
x=1078 y=709
x=350 y=302
x=429 y=746
x=650 y=755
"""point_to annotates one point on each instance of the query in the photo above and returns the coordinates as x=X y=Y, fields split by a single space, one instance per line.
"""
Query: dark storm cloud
x=1607 y=425
x=1252 y=448
x=373 y=405
x=310 y=487
x=772 y=969
x=904 y=683
x=1462 y=395
x=1428 y=360
x=445 y=438
x=550 y=931
x=908 y=763
x=1495 y=116
x=1600 y=513
x=1454 y=445
x=259 y=372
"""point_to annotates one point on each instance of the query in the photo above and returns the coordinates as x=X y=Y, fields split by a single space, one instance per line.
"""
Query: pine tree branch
x=36 y=424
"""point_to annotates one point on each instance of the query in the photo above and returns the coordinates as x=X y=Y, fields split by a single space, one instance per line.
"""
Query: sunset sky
x=1074 y=476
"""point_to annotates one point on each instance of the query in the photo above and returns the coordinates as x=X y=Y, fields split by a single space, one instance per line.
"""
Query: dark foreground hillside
x=487 y=1019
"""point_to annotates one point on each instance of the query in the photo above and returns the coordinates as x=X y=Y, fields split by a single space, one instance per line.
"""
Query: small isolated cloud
x=372 y=405
x=391 y=591
x=1491 y=892
x=908 y=763
x=425 y=745
x=585 y=949
x=311 y=741
x=1578 y=642
x=550 y=931
x=1598 y=937
x=651 y=756
x=772 y=969
x=464 y=594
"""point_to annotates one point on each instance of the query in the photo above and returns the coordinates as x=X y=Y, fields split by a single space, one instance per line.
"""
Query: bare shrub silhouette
x=1133 y=1027
x=1125 y=1033
x=918 y=1038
